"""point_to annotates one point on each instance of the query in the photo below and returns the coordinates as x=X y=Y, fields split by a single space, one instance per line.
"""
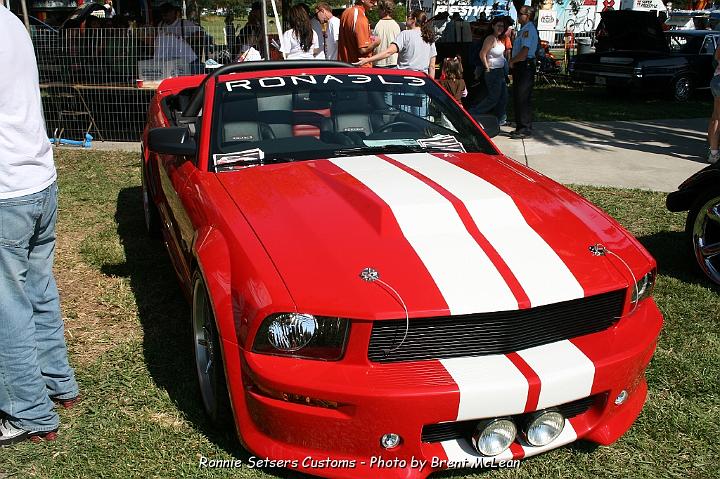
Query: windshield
x=301 y=117
x=685 y=43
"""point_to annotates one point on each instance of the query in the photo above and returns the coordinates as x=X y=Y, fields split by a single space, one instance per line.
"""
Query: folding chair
x=71 y=107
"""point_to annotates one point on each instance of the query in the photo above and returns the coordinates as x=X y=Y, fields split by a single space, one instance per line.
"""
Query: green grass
x=127 y=325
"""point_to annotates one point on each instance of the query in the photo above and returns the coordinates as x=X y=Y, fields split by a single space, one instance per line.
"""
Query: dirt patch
x=94 y=321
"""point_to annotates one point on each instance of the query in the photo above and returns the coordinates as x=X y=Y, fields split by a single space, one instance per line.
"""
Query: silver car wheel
x=682 y=88
x=204 y=342
x=706 y=238
x=146 y=205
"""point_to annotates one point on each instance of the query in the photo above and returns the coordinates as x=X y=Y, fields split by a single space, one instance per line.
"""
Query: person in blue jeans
x=492 y=57
x=34 y=368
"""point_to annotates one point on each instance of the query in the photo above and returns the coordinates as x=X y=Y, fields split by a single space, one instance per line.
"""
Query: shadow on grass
x=671 y=250
x=165 y=319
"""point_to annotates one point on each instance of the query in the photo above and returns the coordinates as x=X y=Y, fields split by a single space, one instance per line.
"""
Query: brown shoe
x=67 y=403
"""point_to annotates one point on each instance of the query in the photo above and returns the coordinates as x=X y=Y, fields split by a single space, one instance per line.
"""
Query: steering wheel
x=393 y=124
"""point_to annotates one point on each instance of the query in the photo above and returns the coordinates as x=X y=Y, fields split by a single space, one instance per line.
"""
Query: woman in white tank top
x=492 y=56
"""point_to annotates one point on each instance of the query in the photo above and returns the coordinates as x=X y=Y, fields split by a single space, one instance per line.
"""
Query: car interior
x=318 y=120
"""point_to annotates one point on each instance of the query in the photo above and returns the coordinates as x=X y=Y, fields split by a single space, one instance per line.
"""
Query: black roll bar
x=196 y=102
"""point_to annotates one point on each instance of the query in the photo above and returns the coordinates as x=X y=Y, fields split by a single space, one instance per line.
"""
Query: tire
x=208 y=358
x=681 y=88
x=703 y=231
x=152 y=217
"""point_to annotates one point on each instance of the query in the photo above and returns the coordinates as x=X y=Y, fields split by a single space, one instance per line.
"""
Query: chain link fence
x=99 y=80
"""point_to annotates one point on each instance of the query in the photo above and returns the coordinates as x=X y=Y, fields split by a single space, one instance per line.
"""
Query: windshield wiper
x=375 y=150
x=238 y=163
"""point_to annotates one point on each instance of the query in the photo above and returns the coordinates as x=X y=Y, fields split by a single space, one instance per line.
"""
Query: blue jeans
x=497 y=95
x=33 y=357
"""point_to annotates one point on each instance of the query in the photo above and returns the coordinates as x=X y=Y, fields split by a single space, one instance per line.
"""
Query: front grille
x=464 y=429
x=493 y=333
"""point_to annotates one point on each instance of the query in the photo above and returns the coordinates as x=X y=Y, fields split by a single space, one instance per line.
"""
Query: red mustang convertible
x=376 y=290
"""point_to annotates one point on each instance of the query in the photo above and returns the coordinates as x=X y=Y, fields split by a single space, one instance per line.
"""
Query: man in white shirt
x=175 y=37
x=327 y=28
x=34 y=368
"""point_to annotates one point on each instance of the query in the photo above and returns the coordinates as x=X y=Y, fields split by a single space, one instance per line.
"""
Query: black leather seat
x=241 y=124
x=351 y=113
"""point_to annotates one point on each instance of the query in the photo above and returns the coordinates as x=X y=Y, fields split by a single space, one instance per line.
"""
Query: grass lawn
x=127 y=329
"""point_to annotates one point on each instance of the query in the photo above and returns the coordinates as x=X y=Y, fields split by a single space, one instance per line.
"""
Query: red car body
x=459 y=237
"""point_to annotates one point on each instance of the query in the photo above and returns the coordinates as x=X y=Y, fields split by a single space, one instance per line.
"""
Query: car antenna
x=371 y=275
x=600 y=249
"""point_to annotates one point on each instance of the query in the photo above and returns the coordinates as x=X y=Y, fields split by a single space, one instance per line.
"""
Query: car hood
x=630 y=30
x=447 y=234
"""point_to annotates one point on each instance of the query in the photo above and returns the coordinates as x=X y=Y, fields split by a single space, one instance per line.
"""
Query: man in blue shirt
x=522 y=64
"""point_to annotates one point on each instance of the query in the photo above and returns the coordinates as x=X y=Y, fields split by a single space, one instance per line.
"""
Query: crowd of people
x=494 y=52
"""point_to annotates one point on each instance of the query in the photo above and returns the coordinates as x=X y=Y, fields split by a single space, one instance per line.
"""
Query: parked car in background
x=633 y=52
x=373 y=282
x=699 y=195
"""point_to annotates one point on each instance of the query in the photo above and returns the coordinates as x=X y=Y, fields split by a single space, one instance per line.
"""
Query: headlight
x=494 y=436
x=544 y=427
x=644 y=288
x=302 y=335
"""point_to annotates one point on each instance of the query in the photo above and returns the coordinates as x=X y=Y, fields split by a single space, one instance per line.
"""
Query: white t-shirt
x=414 y=53
x=387 y=30
x=26 y=158
x=171 y=41
x=292 y=49
x=333 y=34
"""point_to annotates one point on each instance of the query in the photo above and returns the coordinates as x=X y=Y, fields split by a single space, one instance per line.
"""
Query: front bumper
x=368 y=400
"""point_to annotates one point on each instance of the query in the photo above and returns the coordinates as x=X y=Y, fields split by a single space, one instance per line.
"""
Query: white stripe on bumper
x=490 y=386
x=565 y=372
x=463 y=273
x=461 y=454
x=542 y=274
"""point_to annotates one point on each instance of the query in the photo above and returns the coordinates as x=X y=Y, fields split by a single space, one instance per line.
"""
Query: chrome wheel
x=205 y=343
x=706 y=237
x=682 y=88
x=152 y=219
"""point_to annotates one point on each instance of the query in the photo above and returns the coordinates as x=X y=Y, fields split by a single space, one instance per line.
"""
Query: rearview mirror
x=489 y=124
x=174 y=140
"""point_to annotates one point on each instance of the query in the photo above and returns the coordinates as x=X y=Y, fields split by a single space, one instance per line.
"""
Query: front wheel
x=681 y=88
x=703 y=229
x=208 y=357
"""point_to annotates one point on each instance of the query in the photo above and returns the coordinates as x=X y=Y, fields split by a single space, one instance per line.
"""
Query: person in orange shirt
x=355 y=41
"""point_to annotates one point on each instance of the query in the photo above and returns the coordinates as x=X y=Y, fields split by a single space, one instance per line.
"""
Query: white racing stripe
x=461 y=454
x=490 y=386
x=567 y=436
x=538 y=268
x=565 y=372
x=463 y=273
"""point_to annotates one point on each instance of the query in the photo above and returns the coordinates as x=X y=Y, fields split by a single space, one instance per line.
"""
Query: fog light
x=544 y=427
x=390 y=440
x=494 y=436
x=621 y=398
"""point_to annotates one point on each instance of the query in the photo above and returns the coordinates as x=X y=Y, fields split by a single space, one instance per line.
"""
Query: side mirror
x=489 y=124
x=174 y=140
